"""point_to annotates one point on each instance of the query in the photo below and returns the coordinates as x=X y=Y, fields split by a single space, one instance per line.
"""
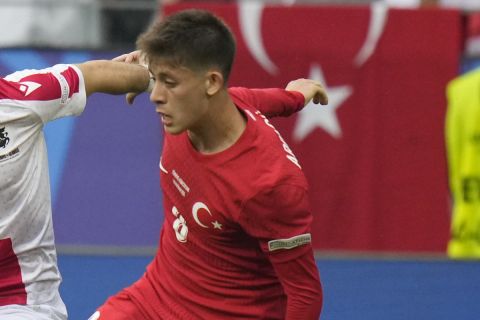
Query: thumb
x=130 y=97
x=120 y=58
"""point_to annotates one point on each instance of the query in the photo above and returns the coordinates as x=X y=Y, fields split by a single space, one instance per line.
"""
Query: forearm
x=302 y=286
x=113 y=77
x=274 y=102
x=271 y=102
x=303 y=308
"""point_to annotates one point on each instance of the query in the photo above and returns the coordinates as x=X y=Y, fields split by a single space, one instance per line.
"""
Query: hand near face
x=135 y=57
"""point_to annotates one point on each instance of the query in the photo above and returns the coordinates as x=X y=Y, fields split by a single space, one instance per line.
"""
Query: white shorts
x=26 y=312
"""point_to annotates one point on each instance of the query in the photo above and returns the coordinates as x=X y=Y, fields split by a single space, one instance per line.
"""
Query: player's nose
x=158 y=96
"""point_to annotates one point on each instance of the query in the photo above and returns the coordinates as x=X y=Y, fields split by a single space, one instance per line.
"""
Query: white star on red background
x=217 y=225
x=317 y=116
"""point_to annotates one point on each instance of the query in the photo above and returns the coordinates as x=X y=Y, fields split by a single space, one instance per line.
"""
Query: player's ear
x=214 y=82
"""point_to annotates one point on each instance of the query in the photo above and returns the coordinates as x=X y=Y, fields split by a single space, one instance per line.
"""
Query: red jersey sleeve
x=280 y=219
x=270 y=102
x=301 y=282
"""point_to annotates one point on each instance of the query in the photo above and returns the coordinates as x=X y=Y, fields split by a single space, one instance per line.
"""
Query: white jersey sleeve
x=51 y=93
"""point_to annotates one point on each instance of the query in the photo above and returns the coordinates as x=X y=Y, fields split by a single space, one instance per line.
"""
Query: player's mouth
x=166 y=119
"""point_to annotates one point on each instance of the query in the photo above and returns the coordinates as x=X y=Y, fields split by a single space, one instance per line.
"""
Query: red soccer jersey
x=230 y=217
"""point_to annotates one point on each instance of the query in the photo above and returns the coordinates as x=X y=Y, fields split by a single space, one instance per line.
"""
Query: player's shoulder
x=243 y=98
x=274 y=150
x=274 y=166
x=238 y=93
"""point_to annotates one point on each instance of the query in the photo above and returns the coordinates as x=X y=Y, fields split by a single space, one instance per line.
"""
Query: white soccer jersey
x=29 y=274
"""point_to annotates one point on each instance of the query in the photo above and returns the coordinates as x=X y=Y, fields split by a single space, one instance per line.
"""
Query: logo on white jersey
x=4 y=139
x=28 y=87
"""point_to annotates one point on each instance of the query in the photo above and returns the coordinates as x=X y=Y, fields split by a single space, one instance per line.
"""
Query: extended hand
x=311 y=90
x=133 y=57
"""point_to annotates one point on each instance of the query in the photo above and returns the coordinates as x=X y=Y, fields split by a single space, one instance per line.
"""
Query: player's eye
x=170 y=83
x=167 y=81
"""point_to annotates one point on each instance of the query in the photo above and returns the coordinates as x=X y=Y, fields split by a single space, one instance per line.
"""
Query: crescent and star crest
x=196 y=209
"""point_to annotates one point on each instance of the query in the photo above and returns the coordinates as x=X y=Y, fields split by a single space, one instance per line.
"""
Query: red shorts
x=119 y=307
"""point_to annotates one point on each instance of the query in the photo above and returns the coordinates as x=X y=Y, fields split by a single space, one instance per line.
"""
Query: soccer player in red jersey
x=236 y=242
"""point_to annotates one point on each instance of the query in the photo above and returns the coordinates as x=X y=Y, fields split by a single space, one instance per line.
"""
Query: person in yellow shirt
x=463 y=150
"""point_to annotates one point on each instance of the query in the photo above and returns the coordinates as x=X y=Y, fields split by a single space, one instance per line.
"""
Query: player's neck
x=221 y=127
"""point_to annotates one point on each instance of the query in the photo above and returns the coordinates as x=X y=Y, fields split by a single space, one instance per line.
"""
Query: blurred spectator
x=124 y=20
x=52 y=23
x=74 y=23
x=472 y=42
x=410 y=3
x=463 y=146
x=467 y=5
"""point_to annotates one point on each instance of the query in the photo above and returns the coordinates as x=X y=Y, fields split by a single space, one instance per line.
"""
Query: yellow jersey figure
x=463 y=148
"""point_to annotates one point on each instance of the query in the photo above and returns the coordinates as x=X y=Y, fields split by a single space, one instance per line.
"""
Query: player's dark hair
x=193 y=38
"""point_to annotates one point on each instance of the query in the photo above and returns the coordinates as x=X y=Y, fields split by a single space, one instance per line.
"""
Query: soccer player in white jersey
x=236 y=242
x=29 y=276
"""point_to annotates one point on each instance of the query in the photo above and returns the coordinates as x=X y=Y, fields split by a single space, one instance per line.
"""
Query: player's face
x=179 y=96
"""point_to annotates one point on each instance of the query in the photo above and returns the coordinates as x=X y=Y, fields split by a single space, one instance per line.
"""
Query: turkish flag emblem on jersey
x=375 y=156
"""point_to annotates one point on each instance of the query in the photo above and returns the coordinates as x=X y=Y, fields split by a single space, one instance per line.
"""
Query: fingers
x=126 y=57
x=132 y=57
x=321 y=96
x=130 y=97
x=319 y=92
x=121 y=58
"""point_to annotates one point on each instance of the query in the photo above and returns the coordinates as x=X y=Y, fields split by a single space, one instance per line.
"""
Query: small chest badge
x=4 y=139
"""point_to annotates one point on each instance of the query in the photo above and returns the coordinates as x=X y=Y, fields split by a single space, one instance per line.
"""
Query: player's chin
x=172 y=129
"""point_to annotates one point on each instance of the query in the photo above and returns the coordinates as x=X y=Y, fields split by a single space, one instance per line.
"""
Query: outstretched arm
x=113 y=77
x=275 y=102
